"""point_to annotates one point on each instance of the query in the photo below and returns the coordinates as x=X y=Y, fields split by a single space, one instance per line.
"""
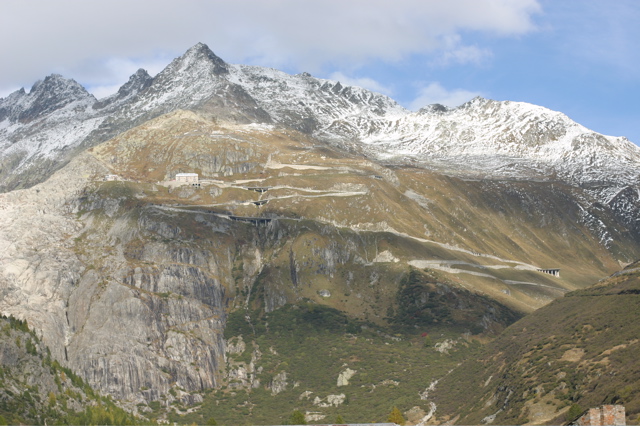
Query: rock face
x=134 y=330
x=131 y=283
x=345 y=376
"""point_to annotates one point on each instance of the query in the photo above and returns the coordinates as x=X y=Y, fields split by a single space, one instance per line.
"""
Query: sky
x=580 y=57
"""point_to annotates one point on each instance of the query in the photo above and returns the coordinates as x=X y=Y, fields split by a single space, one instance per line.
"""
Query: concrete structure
x=253 y=220
x=110 y=177
x=607 y=415
x=259 y=189
x=554 y=272
x=187 y=177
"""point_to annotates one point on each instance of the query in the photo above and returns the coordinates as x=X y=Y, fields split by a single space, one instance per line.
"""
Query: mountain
x=482 y=139
x=137 y=82
x=575 y=353
x=494 y=139
x=512 y=139
x=39 y=127
x=317 y=204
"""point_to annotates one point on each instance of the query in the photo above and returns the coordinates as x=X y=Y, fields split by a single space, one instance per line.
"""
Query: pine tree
x=396 y=417
x=297 y=418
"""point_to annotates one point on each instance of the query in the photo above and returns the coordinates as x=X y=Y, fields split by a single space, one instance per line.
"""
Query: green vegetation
x=58 y=389
x=396 y=417
x=578 y=352
x=426 y=298
x=313 y=344
x=297 y=418
x=573 y=413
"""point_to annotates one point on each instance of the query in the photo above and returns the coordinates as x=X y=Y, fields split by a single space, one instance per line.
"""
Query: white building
x=187 y=177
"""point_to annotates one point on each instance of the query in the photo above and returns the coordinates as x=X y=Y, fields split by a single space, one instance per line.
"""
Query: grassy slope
x=579 y=350
x=313 y=345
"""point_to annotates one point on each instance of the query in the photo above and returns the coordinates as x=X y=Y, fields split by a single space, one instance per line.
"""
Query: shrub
x=396 y=416
x=574 y=412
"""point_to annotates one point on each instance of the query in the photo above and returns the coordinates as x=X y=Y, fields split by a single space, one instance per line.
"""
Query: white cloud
x=453 y=51
x=434 y=93
x=74 y=37
x=364 y=82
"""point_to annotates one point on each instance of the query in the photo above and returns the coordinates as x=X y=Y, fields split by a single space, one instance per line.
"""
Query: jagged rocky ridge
x=40 y=130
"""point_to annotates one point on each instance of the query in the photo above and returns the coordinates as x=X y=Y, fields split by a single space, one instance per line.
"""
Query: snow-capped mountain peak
x=197 y=63
x=138 y=81
x=483 y=136
x=202 y=53
x=45 y=97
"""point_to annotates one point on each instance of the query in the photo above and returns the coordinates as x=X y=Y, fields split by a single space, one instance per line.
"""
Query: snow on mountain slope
x=506 y=137
x=499 y=139
x=54 y=114
x=139 y=81
x=484 y=137
x=186 y=81
x=323 y=107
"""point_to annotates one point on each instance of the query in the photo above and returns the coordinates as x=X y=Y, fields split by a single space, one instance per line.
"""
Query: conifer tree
x=396 y=417
x=297 y=418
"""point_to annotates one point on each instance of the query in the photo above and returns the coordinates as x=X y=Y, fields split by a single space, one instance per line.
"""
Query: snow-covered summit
x=137 y=82
x=492 y=138
x=52 y=94
x=324 y=108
